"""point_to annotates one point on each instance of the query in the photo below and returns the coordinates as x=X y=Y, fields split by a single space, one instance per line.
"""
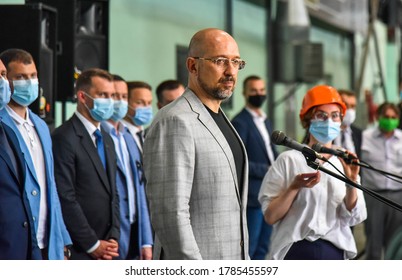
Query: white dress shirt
x=384 y=154
x=134 y=130
x=32 y=140
x=317 y=212
x=259 y=122
x=88 y=126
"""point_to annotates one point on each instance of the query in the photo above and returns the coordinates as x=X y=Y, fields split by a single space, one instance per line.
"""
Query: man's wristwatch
x=67 y=252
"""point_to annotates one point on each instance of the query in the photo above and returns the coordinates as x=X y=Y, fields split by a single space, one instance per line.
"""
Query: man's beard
x=216 y=92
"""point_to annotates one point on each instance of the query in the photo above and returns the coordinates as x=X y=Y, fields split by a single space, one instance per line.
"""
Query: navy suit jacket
x=87 y=191
x=57 y=234
x=17 y=234
x=256 y=152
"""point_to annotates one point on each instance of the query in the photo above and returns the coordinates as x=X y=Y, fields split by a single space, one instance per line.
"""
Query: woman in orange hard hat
x=311 y=211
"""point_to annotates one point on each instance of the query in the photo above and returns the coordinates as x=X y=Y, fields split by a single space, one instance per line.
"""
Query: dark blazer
x=357 y=139
x=256 y=152
x=87 y=192
x=17 y=234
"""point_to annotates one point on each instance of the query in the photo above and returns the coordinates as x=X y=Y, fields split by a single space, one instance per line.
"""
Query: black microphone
x=336 y=152
x=280 y=138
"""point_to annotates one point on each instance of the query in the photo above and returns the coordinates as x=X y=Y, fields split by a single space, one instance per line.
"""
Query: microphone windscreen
x=317 y=147
x=278 y=137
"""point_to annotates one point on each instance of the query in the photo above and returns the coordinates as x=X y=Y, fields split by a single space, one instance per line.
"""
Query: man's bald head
x=208 y=40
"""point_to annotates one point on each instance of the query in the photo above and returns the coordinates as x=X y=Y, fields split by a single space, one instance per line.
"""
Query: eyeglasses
x=223 y=62
x=323 y=116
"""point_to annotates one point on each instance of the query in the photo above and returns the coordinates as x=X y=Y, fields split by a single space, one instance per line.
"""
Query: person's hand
x=107 y=250
x=305 y=180
x=146 y=253
x=67 y=253
x=351 y=170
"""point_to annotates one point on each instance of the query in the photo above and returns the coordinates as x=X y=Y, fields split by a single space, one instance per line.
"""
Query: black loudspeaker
x=309 y=62
x=33 y=28
x=83 y=36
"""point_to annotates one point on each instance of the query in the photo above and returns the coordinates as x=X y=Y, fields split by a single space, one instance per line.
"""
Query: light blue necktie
x=100 y=147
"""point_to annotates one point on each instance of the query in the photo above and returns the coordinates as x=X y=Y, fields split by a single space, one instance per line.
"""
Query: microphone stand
x=365 y=165
x=311 y=161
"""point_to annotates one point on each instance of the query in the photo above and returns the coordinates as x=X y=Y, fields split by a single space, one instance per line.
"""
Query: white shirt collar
x=17 y=118
x=255 y=115
x=133 y=128
x=88 y=125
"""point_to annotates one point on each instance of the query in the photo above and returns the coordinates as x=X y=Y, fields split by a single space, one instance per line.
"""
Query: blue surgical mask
x=120 y=109
x=102 y=110
x=143 y=115
x=25 y=91
x=5 y=92
x=325 y=131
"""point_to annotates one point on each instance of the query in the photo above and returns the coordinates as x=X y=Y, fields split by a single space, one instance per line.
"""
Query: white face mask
x=349 y=117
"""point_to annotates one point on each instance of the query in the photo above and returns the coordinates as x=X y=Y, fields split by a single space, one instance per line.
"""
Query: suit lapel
x=6 y=154
x=110 y=159
x=46 y=147
x=135 y=155
x=256 y=133
x=90 y=148
x=205 y=118
x=8 y=121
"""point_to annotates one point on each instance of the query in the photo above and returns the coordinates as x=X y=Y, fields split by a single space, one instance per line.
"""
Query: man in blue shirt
x=135 y=228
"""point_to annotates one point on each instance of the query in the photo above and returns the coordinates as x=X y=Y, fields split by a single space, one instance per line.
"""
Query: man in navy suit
x=34 y=142
x=135 y=227
x=255 y=130
x=85 y=170
x=17 y=237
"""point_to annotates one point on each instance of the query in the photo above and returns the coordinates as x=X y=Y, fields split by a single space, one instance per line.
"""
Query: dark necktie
x=100 y=147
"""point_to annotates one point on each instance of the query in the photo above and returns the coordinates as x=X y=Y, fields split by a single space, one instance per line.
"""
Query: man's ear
x=192 y=66
x=81 y=96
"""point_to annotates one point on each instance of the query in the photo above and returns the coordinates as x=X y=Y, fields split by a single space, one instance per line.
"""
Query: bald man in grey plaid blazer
x=197 y=204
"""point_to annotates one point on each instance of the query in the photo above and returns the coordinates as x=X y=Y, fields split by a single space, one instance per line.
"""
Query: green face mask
x=388 y=125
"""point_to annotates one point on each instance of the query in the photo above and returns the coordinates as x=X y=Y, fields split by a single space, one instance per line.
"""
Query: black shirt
x=234 y=144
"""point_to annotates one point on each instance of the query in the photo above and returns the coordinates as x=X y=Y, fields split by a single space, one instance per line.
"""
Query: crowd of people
x=117 y=181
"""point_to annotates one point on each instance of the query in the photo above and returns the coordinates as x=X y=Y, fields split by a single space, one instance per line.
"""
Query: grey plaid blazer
x=196 y=209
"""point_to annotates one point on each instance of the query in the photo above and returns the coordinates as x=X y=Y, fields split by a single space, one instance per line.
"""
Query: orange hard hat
x=320 y=95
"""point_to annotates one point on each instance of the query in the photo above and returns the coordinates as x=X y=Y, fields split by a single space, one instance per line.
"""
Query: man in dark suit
x=85 y=170
x=254 y=129
x=351 y=136
x=34 y=143
x=17 y=237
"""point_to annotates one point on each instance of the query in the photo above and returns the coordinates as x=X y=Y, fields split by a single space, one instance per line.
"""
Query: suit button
x=241 y=243
x=25 y=224
x=34 y=192
x=33 y=218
